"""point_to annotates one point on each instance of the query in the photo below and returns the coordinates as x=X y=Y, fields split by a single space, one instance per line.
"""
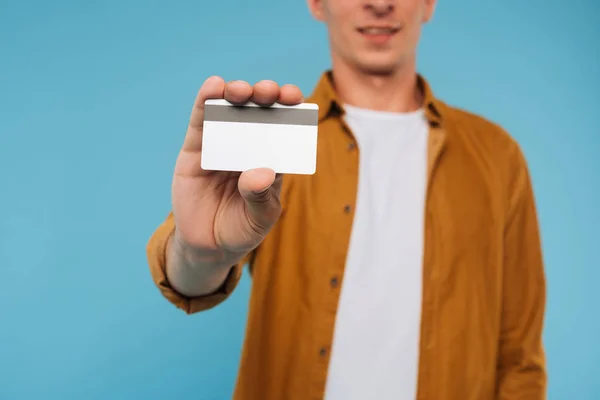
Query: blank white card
x=239 y=138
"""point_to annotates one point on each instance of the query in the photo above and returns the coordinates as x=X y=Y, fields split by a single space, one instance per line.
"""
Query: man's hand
x=221 y=215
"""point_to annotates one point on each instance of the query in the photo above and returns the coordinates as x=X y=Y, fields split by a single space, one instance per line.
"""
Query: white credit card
x=239 y=138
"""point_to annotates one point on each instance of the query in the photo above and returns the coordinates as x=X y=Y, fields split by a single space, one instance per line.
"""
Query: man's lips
x=379 y=30
x=379 y=35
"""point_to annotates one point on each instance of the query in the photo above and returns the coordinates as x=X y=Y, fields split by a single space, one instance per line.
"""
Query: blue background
x=94 y=101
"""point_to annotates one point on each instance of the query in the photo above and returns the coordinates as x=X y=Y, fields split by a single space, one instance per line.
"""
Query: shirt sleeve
x=156 y=253
x=521 y=362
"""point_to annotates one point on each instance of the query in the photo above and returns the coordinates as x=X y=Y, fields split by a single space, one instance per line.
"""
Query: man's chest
x=455 y=211
x=300 y=269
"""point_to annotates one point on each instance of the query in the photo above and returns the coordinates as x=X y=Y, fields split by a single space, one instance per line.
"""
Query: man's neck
x=397 y=92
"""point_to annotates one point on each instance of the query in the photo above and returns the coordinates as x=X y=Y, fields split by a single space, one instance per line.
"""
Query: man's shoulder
x=476 y=131
x=471 y=126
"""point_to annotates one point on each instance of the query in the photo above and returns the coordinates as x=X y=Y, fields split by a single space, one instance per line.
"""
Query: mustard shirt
x=483 y=294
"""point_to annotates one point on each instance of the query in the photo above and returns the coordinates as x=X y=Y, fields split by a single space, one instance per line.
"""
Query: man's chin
x=380 y=67
x=379 y=70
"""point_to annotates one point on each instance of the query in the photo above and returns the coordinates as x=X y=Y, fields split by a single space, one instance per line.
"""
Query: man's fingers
x=238 y=92
x=265 y=93
x=260 y=190
x=254 y=182
x=290 y=95
x=212 y=88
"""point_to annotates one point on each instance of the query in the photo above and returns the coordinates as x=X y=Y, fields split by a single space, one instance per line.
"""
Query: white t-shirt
x=375 y=351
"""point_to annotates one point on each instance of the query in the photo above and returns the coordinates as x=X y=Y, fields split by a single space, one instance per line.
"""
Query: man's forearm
x=196 y=273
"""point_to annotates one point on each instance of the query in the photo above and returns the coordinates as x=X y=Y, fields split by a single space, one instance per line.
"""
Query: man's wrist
x=194 y=258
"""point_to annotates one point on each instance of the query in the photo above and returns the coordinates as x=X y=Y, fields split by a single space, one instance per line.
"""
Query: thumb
x=260 y=190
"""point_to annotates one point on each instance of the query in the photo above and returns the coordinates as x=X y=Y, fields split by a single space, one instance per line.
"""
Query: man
x=407 y=267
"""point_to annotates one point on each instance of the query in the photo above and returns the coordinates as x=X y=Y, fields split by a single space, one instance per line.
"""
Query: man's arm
x=195 y=273
x=521 y=360
x=170 y=268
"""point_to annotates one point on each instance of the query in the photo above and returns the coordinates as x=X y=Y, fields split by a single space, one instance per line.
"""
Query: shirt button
x=347 y=208
x=351 y=146
x=334 y=282
x=323 y=352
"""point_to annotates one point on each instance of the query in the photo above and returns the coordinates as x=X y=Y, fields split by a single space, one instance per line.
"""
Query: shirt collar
x=326 y=98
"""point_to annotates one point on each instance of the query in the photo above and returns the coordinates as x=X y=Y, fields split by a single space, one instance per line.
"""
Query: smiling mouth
x=379 y=30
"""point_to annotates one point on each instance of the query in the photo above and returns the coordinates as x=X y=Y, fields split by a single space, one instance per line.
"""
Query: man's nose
x=380 y=7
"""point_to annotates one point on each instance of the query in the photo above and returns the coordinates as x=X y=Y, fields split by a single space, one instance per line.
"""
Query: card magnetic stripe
x=260 y=115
